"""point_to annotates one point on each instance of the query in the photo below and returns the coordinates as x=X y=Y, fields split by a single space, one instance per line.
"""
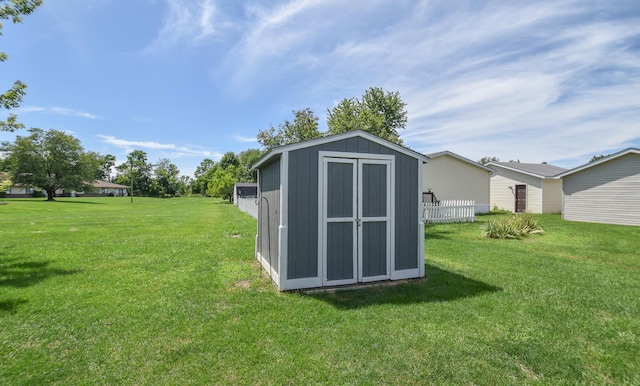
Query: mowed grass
x=167 y=291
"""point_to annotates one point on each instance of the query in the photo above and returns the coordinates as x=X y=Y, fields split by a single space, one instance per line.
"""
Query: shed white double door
x=356 y=220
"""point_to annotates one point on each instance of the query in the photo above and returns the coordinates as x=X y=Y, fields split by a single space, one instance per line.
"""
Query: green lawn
x=167 y=291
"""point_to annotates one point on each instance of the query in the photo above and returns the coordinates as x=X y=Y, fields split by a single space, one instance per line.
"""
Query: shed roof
x=630 y=150
x=536 y=170
x=337 y=137
x=459 y=157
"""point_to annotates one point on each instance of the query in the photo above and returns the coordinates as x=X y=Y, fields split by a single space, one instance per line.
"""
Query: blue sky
x=555 y=81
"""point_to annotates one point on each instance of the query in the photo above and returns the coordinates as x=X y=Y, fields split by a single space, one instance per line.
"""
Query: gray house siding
x=406 y=215
x=303 y=205
x=607 y=193
x=269 y=208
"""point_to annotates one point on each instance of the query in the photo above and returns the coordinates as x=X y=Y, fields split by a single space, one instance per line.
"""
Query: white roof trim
x=494 y=165
x=600 y=161
x=459 y=157
x=338 y=137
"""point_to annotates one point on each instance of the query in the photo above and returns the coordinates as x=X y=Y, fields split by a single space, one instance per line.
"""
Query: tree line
x=53 y=160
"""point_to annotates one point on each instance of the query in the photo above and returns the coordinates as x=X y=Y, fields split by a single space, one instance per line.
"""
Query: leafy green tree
x=5 y=183
x=247 y=159
x=50 y=160
x=303 y=127
x=107 y=163
x=203 y=174
x=597 y=157
x=184 y=185
x=378 y=112
x=11 y=99
x=222 y=183
x=229 y=159
x=167 y=177
x=138 y=168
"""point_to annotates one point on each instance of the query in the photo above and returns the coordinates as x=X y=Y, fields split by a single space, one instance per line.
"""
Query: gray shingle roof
x=543 y=170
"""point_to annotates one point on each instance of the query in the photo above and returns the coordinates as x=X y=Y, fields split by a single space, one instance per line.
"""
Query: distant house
x=449 y=176
x=100 y=188
x=105 y=188
x=19 y=191
x=604 y=191
x=521 y=187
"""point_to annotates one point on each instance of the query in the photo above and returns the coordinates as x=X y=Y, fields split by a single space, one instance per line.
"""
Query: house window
x=29 y=190
x=104 y=190
x=118 y=192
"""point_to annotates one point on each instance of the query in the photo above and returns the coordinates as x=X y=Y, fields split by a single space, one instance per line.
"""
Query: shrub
x=512 y=227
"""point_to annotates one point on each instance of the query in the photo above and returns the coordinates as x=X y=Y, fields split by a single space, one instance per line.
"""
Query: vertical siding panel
x=269 y=213
x=406 y=221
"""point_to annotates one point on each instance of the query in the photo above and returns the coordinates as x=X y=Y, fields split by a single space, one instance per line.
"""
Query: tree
x=184 y=185
x=597 y=157
x=138 y=168
x=11 y=99
x=486 y=160
x=50 y=160
x=222 y=183
x=203 y=174
x=106 y=164
x=5 y=183
x=378 y=113
x=247 y=159
x=166 y=177
x=303 y=127
x=228 y=159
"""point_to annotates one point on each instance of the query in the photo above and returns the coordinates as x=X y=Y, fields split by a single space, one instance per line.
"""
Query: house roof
x=106 y=184
x=246 y=184
x=459 y=157
x=337 y=137
x=536 y=170
x=630 y=150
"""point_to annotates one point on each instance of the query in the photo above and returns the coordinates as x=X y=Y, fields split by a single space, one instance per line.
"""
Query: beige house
x=604 y=191
x=449 y=176
x=100 y=188
x=525 y=187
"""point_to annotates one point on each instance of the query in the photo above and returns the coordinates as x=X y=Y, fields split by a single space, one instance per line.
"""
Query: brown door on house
x=521 y=198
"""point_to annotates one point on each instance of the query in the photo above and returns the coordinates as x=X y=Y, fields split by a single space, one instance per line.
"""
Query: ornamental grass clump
x=512 y=227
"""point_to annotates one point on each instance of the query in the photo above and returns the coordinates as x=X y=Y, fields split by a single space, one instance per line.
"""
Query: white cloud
x=241 y=138
x=164 y=149
x=56 y=110
x=185 y=23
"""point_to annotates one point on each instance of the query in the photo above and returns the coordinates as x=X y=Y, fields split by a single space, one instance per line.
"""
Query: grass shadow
x=78 y=202
x=439 y=286
x=64 y=200
x=11 y=306
x=20 y=273
x=432 y=231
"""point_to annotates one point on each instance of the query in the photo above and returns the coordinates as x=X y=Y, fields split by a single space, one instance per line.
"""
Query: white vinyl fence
x=449 y=211
x=248 y=205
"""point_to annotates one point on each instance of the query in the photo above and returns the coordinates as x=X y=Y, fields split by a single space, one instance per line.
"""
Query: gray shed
x=340 y=209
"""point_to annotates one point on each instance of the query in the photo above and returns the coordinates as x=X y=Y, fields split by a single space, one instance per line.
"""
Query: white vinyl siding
x=503 y=184
x=607 y=193
x=452 y=179
x=552 y=196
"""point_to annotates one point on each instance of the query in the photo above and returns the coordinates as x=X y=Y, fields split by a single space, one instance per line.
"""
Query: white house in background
x=604 y=191
x=521 y=187
x=449 y=176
